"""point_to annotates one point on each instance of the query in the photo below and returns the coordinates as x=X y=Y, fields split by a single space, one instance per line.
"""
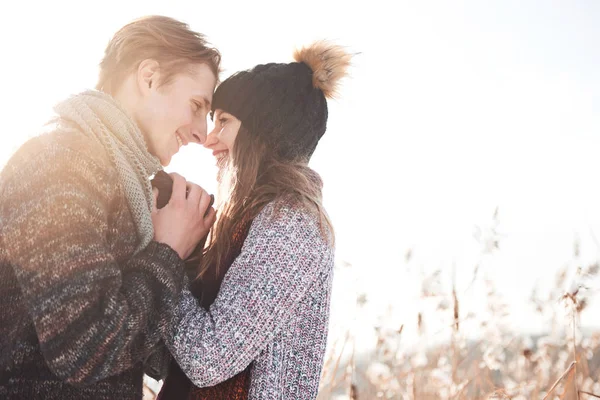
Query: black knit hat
x=285 y=104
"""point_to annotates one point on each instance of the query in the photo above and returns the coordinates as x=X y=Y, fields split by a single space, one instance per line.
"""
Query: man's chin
x=165 y=161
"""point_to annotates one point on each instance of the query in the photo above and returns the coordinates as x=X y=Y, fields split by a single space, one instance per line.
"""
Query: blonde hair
x=168 y=41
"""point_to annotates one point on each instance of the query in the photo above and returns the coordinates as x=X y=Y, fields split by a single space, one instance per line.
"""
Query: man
x=90 y=270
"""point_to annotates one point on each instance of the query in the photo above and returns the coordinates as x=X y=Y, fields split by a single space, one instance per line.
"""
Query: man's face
x=173 y=115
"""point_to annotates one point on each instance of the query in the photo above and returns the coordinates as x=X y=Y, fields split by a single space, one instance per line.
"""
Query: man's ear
x=148 y=75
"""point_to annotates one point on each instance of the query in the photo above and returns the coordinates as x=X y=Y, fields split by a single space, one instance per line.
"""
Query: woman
x=259 y=328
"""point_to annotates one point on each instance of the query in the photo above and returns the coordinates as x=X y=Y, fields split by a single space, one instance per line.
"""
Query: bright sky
x=453 y=109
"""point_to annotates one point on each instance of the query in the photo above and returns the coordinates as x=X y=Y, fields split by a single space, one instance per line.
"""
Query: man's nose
x=198 y=132
x=211 y=139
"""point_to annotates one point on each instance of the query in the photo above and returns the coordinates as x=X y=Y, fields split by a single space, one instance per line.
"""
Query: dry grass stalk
x=590 y=394
x=498 y=364
x=568 y=370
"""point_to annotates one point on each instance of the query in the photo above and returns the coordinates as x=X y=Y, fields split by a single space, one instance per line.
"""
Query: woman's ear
x=148 y=74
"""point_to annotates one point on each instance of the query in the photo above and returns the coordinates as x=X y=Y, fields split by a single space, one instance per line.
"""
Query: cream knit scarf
x=98 y=115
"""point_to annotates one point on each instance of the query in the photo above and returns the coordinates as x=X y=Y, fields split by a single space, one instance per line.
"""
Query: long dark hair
x=253 y=177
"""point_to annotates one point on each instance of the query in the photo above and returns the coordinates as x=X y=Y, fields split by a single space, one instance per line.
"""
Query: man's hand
x=181 y=224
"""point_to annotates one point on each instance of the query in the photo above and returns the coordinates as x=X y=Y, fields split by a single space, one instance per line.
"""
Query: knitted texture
x=81 y=312
x=271 y=312
x=279 y=103
x=99 y=115
x=177 y=385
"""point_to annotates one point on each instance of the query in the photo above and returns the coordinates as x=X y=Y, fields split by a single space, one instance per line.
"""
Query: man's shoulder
x=59 y=144
x=68 y=138
x=57 y=154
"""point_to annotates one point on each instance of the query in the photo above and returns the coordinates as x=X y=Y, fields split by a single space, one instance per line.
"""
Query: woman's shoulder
x=285 y=210
x=289 y=217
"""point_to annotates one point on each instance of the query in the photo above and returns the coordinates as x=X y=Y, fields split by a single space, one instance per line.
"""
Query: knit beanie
x=286 y=104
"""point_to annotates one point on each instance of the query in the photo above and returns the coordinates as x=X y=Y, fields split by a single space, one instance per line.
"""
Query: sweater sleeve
x=95 y=316
x=281 y=258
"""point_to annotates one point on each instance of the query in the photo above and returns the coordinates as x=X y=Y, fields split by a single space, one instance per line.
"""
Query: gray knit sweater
x=80 y=312
x=272 y=311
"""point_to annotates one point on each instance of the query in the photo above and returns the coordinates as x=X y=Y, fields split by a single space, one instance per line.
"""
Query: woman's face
x=222 y=137
x=175 y=114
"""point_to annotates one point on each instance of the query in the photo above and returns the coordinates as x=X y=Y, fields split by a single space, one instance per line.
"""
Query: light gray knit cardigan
x=272 y=311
